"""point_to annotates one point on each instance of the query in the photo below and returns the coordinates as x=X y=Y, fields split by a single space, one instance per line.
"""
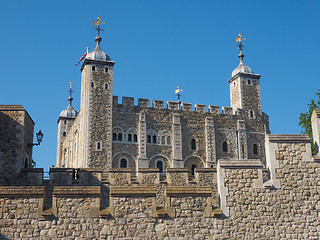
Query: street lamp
x=39 y=139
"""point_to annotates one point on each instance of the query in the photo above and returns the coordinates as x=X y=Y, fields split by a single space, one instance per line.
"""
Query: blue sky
x=158 y=45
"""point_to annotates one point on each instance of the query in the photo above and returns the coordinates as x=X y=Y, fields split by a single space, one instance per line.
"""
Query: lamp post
x=39 y=139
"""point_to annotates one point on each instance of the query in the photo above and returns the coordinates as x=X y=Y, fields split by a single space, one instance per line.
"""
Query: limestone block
x=177 y=176
x=214 y=109
x=173 y=105
x=186 y=106
x=200 y=108
x=127 y=101
x=157 y=104
x=144 y=103
x=227 y=110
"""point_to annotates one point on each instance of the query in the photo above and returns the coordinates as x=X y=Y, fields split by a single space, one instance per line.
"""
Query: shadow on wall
x=10 y=147
x=3 y=237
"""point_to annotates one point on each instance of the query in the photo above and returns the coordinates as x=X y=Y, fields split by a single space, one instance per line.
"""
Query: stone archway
x=192 y=163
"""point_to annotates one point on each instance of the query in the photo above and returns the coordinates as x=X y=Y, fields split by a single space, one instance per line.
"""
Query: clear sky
x=158 y=45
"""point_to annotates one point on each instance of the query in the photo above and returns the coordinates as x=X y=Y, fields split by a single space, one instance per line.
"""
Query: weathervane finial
x=239 y=40
x=240 y=46
x=178 y=94
x=70 y=92
x=98 y=23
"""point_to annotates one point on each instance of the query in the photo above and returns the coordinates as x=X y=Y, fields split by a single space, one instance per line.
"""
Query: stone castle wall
x=235 y=201
x=209 y=129
x=16 y=132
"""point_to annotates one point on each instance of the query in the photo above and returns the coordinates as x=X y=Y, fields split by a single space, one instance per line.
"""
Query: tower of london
x=157 y=170
x=109 y=134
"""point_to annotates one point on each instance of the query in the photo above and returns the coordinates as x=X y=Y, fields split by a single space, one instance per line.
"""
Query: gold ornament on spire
x=239 y=40
x=98 y=23
x=178 y=92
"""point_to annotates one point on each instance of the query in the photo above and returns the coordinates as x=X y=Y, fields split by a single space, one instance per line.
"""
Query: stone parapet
x=148 y=176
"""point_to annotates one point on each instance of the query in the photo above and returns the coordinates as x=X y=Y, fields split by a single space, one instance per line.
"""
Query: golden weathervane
x=98 y=23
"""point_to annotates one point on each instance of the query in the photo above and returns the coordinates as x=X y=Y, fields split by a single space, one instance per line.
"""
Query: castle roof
x=69 y=112
x=97 y=53
x=241 y=67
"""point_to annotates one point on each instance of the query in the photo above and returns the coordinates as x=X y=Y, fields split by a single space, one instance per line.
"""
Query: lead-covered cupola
x=97 y=53
x=69 y=112
x=242 y=68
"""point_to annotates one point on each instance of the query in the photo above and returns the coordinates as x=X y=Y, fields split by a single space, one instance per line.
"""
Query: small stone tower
x=245 y=88
x=95 y=143
x=65 y=122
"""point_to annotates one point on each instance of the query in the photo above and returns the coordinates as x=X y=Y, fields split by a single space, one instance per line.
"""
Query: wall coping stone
x=177 y=170
x=288 y=138
x=182 y=190
x=76 y=190
x=123 y=170
x=132 y=191
x=148 y=170
x=71 y=169
x=23 y=191
x=205 y=170
x=247 y=163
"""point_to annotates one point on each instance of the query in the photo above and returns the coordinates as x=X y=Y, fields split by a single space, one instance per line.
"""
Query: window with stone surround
x=106 y=86
x=123 y=163
x=120 y=137
x=92 y=84
x=225 y=146
x=193 y=144
x=255 y=149
x=98 y=146
x=93 y=68
x=132 y=135
x=251 y=114
x=117 y=134
x=193 y=167
x=159 y=164
x=152 y=136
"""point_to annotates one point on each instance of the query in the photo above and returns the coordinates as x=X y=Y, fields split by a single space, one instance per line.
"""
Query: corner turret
x=245 y=87
x=65 y=122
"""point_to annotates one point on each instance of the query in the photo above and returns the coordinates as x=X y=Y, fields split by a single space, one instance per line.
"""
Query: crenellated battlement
x=171 y=105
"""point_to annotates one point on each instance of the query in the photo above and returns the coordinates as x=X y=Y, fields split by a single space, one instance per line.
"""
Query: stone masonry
x=127 y=171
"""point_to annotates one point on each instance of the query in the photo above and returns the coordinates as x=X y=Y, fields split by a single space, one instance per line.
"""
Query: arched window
x=168 y=140
x=123 y=163
x=64 y=134
x=120 y=137
x=193 y=144
x=251 y=114
x=129 y=137
x=149 y=139
x=135 y=138
x=92 y=84
x=98 y=145
x=106 y=86
x=154 y=139
x=163 y=140
x=249 y=82
x=159 y=165
x=225 y=147
x=193 y=167
x=106 y=69
x=114 y=136
x=93 y=68
x=255 y=149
